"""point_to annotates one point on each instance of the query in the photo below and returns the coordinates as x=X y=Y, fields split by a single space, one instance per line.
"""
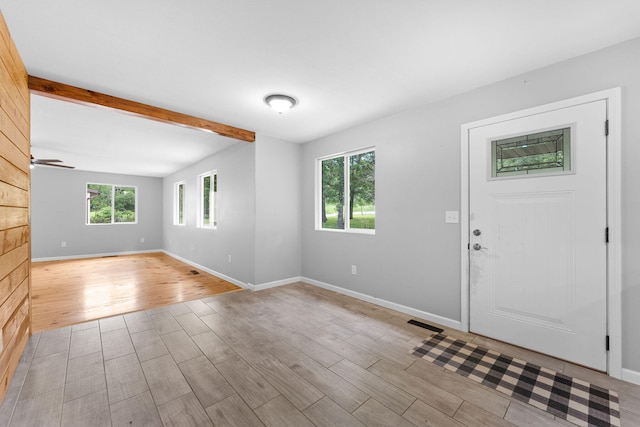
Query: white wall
x=58 y=213
x=413 y=259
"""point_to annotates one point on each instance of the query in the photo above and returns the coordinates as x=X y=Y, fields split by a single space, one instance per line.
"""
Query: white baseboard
x=244 y=285
x=277 y=283
x=210 y=271
x=627 y=374
x=179 y=258
x=444 y=321
x=631 y=376
x=106 y=254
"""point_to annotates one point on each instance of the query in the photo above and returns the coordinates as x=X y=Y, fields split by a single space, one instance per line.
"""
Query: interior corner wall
x=414 y=257
x=278 y=240
x=58 y=214
x=235 y=234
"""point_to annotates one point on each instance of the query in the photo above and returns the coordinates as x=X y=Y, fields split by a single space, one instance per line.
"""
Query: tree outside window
x=348 y=192
x=178 y=214
x=110 y=204
x=208 y=200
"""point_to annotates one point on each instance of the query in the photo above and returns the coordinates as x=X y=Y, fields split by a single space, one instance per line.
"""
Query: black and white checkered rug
x=574 y=400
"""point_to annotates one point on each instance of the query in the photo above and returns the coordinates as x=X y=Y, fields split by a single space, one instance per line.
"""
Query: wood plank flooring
x=296 y=355
x=74 y=291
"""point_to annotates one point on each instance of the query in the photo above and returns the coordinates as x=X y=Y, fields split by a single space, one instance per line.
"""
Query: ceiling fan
x=48 y=162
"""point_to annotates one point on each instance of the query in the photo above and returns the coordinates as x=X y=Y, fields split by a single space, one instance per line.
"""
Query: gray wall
x=259 y=213
x=278 y=241
x=236 y=214
x=414 y=257
x=260 y=230
x=58 y=208
x=266 y=216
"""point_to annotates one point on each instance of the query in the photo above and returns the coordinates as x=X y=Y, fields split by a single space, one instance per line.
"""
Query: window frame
x=347 y=181
x=113 y=201
x=176 y=203
x=213 y=207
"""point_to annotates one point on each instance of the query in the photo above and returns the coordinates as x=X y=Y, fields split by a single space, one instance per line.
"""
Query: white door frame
x=614 y=272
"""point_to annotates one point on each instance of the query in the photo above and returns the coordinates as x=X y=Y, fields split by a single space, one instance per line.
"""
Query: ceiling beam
x=77 y=95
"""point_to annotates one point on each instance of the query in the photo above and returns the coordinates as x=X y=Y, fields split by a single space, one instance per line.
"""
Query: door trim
x=614 y=271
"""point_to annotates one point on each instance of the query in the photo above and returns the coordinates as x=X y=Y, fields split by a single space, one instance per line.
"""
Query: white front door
x=537 y=221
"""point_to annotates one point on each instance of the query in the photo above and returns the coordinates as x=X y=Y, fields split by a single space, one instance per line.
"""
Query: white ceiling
x=346 y=61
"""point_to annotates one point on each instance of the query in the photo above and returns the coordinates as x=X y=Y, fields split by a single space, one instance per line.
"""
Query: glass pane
x=214 y=208
x=543 y=152
x=362 y=190
x=206 y=192
x=99 y=202
x=180 y=204
x=333 y=193
x=124 y=204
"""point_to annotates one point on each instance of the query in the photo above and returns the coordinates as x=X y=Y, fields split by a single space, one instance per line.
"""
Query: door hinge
x=468 y=246
x=606 y=235
x=607 y=343
x=606 y=127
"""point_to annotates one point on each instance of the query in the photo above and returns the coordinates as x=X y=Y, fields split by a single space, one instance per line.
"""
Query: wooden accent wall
x=15 y=242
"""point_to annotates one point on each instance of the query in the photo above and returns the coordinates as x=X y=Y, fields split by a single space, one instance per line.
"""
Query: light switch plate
x=451 y=217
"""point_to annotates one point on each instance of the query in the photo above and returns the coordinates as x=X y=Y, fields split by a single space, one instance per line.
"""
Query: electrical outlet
x=142 y=240
x=192 y=247
x=354 y=269
x=63 y=244
x=229 y=258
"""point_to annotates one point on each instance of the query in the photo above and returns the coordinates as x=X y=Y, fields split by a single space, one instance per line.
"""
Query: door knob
x=477 y=246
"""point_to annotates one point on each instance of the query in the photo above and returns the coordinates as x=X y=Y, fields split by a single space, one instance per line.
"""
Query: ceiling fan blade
x=47 y=161
x=54 y=165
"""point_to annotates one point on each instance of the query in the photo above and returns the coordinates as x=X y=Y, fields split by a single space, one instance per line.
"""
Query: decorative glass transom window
x=542 y=152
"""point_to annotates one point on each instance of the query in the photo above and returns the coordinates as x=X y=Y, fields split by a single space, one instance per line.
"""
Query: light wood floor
x=75 y=291
x=295 y=355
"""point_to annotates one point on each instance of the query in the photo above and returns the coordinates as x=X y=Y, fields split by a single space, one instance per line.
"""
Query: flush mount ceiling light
x=280 y=103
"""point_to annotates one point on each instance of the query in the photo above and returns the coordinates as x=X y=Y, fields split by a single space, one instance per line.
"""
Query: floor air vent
x=425 y=325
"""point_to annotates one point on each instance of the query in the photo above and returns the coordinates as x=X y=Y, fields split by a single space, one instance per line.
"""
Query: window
x=178 y=203
x=351 y=174
x=542 y=152
x=111 y=204
x=208 y=217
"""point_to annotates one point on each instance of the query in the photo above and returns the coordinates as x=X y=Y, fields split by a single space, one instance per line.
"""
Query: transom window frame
x=177 y=205
x=213 y=205
x=318 y=192
x=88 y=199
